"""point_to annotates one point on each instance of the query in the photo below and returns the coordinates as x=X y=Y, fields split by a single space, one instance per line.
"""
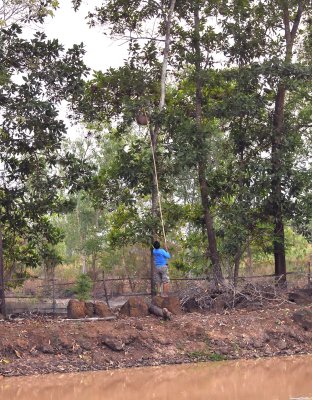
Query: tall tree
x=264 y=36
x=36 y=75
x=119 y=18
x=291 y=15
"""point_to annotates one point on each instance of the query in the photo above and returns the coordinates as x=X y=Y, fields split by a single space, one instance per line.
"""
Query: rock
x=257 y=343
x=85 y=344
x=102 y=310
x=158 y=301
x=76 y=309
x=171 y=303
x=304 y=319
x=135 y=307
x=281 y=344
x=113 y=343
x=89 y=309
x=139 y=326
x=129 y=339
x=301 y=296
x=47 y=349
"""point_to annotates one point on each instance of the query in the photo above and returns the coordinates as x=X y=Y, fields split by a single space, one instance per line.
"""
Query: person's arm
x=166 y=254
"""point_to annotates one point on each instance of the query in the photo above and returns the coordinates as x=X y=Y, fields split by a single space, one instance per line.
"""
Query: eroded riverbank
x=44 y=345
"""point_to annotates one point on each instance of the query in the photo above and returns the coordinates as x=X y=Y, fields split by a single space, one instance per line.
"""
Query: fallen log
x=160 y=312
x=88 y=319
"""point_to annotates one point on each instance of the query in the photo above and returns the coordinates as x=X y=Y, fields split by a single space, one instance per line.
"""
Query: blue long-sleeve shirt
x=160 y=257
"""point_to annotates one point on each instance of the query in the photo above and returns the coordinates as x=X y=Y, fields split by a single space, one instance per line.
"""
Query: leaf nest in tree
x=141 y=118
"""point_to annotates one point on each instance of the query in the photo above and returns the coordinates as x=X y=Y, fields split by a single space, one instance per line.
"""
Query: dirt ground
x=42 y=345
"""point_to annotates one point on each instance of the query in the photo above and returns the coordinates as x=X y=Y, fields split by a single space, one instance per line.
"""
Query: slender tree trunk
x=208 y=219
x=125 y=267
x=237 y=259
x=166 y=56
x=2 y=293
x=105 y=289
x=278 y=137
x=93 y=266
x=83 y=255
x=277 y=140
x=153 y=133
x=95 y=253
x=249 y=260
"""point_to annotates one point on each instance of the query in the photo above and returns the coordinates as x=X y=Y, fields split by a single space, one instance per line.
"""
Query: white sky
x=71 y=27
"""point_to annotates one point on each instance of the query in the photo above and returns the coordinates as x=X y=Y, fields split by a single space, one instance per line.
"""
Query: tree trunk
x=208 y=219
x=249 y=260
x=153 y=134
x=2 y=293
x=237 y=259
x=105 y=289
x=277 y=213
x=128 y=273
x=93 y=266
x=277 y=147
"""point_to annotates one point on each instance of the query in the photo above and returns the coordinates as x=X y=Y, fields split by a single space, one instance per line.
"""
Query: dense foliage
x=231 y=141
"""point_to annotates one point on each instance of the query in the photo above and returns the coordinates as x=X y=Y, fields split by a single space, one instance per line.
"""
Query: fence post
x=105 y=289
x=53 y=293
x=2 y=293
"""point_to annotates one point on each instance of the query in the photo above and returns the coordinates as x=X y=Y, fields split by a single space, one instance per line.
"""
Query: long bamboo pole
x=154 y=135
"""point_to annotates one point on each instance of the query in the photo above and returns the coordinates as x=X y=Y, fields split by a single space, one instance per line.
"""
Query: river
x=262 y=379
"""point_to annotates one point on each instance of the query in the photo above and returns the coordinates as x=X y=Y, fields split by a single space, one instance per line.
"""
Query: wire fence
x=51 y=296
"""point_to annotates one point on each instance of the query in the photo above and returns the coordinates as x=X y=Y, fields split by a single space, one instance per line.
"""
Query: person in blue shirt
x=161 y=268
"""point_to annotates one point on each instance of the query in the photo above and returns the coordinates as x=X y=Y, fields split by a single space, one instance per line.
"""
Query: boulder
x=89 y=309
x=102 y=310
x=47 y=349
x=112 y=343
x=171 y=303
x=304 y=319
x=135 y=307
x=76 y=309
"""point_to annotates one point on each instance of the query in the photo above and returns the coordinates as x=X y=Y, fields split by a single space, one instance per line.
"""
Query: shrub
x=83 y=287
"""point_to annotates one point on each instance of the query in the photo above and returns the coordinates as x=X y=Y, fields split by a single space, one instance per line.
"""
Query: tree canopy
x=225 y=88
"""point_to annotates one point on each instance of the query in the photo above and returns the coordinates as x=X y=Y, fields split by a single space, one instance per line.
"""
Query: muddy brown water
x=263 y=379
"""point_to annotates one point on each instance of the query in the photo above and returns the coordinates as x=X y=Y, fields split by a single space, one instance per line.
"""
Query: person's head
x=156 y=245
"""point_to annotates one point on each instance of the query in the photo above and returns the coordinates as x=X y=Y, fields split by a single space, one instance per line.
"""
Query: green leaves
x=83 y=287
x=34 y=167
